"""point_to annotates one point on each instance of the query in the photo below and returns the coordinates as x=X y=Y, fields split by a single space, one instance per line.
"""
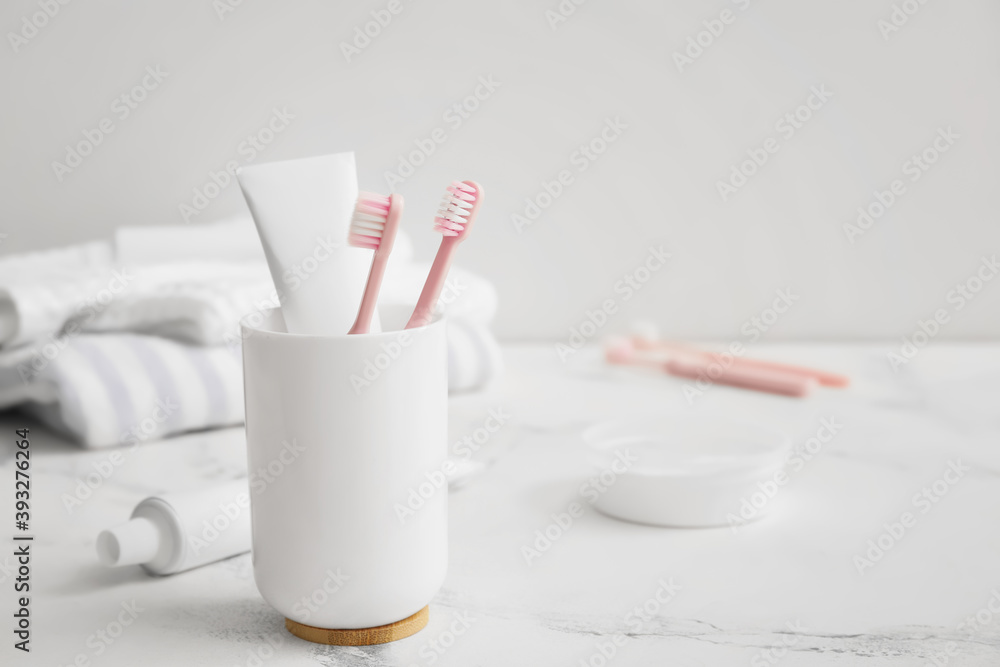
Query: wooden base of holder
x=362 y=636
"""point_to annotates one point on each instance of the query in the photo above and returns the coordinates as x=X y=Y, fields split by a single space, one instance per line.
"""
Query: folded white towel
x=41 y=291
x=194 y=301
x=149 y=279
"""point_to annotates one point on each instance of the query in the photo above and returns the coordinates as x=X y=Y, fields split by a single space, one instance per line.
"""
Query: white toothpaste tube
x=302 y=209
x=179 y=531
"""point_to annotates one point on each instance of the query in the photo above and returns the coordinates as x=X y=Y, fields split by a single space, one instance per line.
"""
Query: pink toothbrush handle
x=432 y=286
x=760 y=379
x=823 y=377
x=367 y=308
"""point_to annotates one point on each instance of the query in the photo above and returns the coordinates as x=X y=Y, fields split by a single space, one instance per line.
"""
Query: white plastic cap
x=132 y=543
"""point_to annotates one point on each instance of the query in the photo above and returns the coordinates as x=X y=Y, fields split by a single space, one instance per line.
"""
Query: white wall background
x=656 y=184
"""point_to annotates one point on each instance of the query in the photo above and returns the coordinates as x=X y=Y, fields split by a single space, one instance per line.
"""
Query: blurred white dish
x=683 y=471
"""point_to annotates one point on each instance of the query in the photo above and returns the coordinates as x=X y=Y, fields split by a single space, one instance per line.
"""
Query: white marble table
x=784 y=590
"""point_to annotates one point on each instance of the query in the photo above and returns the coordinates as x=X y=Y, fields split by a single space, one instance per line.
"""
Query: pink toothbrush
x=696 y=366
x=758 y=379
x=823 y=377
x=454 y=220
x=644 y=336
x=373 y=225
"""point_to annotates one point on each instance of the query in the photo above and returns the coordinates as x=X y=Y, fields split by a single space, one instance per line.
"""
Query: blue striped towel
x=110 y=389
x=103 y=390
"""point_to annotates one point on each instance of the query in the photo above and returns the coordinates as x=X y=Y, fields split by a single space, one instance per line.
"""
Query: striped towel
x=103 y=390
x=106 y=390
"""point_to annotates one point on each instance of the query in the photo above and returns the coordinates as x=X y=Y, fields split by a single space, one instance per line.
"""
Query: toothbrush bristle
x=454 y=210
x=368 y=222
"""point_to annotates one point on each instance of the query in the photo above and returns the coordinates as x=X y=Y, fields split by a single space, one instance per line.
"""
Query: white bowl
x=685 y=471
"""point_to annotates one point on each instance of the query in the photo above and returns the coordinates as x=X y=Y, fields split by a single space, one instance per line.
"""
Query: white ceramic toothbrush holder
x=341 y=432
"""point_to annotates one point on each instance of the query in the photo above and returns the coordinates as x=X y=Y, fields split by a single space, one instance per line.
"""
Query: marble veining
x=785 y=590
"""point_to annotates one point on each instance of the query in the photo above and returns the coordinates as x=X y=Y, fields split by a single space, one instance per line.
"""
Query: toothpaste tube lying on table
x=215 y=519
